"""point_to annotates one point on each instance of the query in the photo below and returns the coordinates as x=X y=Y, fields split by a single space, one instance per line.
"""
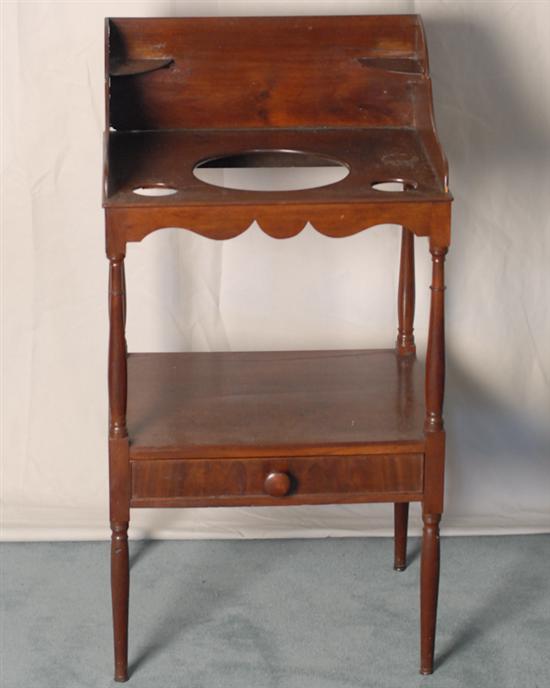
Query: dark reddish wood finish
x=278 y=483
x=435 y=357
x=265 y=481
x=432 y=506
x=258 y=72
x=117 y=350
x=193 y=429
x=405 y=346
x=406 y=295
x=401 y=522
x=119 y=470
x=274 y=403
x=120 y=586
x=372 y=155
x=429 y=588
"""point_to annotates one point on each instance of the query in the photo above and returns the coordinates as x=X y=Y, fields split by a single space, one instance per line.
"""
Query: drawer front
x=311 y=479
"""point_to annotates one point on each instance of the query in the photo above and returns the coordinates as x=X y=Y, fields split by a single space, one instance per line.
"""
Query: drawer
x=288 y=480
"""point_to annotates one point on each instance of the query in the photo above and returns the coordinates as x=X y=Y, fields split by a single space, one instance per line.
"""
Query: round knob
x=277 y=484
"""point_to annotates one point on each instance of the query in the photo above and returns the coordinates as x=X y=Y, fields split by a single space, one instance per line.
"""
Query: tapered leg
x=401 y=522
x=429 y=588
x=434 y=461
x=120 y=586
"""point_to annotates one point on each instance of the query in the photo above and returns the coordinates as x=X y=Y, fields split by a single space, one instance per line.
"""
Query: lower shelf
x=274 y=404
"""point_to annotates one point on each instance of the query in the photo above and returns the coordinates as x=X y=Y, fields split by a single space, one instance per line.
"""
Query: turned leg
x=434 y=462
x=119 y=466
x=405 y=348
x=401 y=521
x=429 y=588
x=406 y=295
x=120 y=586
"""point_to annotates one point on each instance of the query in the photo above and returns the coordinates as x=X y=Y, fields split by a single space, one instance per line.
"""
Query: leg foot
x=120 y=586
x=401 y=521
x=429 y=587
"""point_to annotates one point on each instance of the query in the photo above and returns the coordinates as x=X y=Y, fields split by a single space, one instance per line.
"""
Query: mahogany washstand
x=266 y=428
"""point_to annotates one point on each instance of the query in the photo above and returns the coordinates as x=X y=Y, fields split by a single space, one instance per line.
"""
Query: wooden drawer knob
x=277 y=484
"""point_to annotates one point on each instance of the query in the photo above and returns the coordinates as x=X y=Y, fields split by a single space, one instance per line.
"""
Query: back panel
x=228 y=72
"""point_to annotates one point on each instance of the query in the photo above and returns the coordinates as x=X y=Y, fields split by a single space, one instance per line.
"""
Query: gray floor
x=277 y=613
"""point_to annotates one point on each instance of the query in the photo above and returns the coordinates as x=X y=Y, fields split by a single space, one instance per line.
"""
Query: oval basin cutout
x=159 y=190
x=271 y=170
x=394 y=185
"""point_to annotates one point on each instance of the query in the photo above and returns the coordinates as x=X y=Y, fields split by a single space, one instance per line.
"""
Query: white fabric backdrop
x=491 y=65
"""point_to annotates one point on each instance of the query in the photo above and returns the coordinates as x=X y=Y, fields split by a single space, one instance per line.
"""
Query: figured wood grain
x=238 y=404
x=354 y=88
x=290 y=428
x=281 y=71
x=321 y=477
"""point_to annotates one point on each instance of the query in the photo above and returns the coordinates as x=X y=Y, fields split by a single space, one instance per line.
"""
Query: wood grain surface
x=276 y=428
x=273 y=403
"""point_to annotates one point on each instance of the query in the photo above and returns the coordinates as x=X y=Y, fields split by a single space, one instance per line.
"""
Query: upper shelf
x=352 y=89
x=167 y=160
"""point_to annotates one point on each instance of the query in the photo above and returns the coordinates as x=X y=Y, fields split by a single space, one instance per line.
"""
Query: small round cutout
x=271 y=170
x=155 y=190
x=394 y=185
